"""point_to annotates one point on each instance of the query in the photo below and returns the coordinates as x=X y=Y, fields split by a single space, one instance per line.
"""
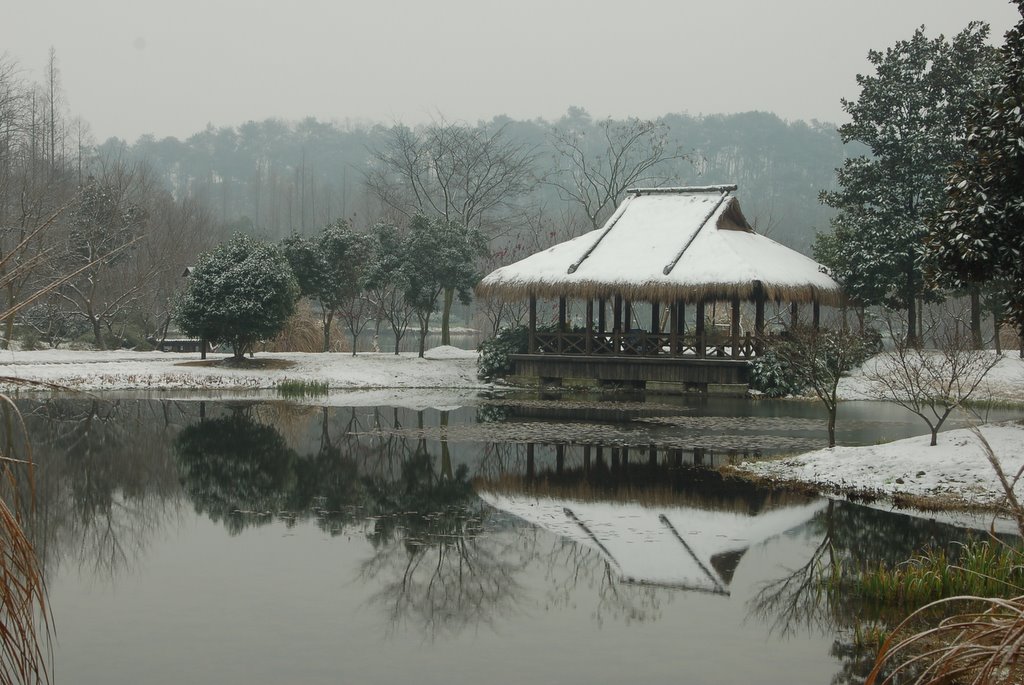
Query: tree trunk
x=935 y=436
x=97 y=332
x=997 y=324
x=446 y=315
x=9 y=319
x=912 y=322
x=327 y=321
x=424 y=325
x=976 y=342
x=832 y=426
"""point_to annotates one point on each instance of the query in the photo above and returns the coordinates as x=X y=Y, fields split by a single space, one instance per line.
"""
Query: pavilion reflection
x=661 y=520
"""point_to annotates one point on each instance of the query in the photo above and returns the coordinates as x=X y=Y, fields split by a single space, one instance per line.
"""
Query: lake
x=506 y=540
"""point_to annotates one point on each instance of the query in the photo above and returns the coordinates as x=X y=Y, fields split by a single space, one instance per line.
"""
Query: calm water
x=265 y=542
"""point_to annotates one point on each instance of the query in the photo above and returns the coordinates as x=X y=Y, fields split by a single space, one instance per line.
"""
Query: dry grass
x=304 y=333
x=980 y=644
x=25 y=622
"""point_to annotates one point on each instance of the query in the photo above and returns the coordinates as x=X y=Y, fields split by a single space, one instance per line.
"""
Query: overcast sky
x=131 y=67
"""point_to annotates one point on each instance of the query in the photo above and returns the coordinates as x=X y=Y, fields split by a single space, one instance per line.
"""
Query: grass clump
x=982 y=568
x=300 y=388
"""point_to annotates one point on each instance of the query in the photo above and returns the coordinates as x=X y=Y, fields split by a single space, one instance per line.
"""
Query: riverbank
x=442 y=367
x=955 y=474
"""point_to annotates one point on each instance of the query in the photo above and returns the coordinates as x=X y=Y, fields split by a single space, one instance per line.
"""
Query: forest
x=100 y=232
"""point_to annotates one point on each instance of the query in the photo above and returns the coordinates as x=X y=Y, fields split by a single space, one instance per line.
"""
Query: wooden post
x=655 y=340
x=735 y=333
x=602 y=304
x=817 y=315
x=586 y=459
x=627 y=313
x=589 y=343
x=532 y=344
x=529 y=461
x=758 y=318
x=559 y=459
x=673 y=326
x=561 y=324
x=700 y=344
x=794 y=314
x=617 y=323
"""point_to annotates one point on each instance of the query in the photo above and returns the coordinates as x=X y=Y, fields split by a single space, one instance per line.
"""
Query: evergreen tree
x=978 y=237
x=438 y=256
x=241 y=292
x=911 y=115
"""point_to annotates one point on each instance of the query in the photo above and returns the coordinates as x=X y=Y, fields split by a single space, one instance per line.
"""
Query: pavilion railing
x=645 y=344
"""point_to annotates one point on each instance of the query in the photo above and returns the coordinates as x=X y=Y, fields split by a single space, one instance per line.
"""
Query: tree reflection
x=811 y=597
x=106 y=478
x=436 y=564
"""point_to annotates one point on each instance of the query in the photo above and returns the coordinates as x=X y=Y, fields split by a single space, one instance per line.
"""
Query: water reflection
x=99 y=497
x=445 y=536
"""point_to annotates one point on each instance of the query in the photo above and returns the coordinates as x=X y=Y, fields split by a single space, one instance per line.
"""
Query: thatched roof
x=666 y=244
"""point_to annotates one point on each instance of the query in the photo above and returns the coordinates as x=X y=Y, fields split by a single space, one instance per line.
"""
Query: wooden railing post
x=531 y=345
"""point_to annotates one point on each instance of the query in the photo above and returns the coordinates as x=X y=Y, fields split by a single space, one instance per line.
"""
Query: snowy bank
x=955 y=472
x=1003 y=383
x=442 y=367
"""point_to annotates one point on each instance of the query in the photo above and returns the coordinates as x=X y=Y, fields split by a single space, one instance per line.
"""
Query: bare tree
x=469 y=175
x=931 y=383
x=595 y=172
x=819 y=358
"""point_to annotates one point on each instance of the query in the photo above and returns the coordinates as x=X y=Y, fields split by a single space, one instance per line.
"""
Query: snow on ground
x=1004 y=382
x=955 y=470
x=442 y=367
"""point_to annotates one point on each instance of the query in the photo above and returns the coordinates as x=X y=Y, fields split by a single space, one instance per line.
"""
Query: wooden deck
x=676 y=372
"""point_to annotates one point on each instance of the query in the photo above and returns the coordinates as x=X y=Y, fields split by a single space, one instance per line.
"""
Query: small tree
x=330 y=269
x=437 y=256
x=930 y=383
x=385 y=281
x=817 y=359
x=241 y=292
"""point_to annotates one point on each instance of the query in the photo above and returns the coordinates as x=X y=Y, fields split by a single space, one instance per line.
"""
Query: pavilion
x=673 y=249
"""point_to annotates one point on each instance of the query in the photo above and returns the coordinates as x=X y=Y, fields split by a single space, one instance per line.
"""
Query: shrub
x=495 y=360
x=774 y=376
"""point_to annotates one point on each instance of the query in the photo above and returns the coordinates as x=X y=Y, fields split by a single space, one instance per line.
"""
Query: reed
x=299 y=388
x=984 y=568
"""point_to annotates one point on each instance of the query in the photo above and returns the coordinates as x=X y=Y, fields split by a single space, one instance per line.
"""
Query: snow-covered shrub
x=495 y=358
x=773 y=375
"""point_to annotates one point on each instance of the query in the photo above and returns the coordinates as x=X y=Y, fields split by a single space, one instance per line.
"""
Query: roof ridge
x=723 y=188
x=707 y=217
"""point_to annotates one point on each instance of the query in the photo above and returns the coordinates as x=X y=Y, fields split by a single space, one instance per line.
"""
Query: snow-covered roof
x=665 y=244
x=674 y=546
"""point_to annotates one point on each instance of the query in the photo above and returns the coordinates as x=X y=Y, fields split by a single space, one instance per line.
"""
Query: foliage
x=437 y=256
x=772 y=375
x=330 y=268
x=910 y=114
x=495 y=360
x=241 y=292
x=977 y=237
